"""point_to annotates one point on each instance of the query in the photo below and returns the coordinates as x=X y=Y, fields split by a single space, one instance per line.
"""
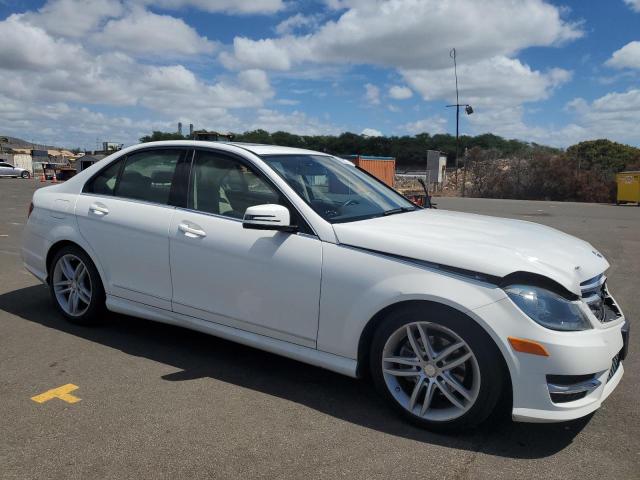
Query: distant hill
x=15 y=142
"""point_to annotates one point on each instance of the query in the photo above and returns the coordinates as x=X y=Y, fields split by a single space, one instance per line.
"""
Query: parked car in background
x=8 y=170
x=303 y=254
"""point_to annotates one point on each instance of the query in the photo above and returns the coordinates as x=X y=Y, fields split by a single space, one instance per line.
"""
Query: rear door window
x=105 y=182
x=148 y=175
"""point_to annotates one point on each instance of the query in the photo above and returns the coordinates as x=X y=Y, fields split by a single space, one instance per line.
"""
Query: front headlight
x=548 y=309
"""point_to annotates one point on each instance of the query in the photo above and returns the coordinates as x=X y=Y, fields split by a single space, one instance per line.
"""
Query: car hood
x=479 y=243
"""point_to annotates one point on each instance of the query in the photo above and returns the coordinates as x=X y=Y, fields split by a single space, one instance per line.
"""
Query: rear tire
x=76 y=287
x=446 y=389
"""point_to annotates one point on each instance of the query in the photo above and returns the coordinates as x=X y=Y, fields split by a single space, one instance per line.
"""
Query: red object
x=383 y=168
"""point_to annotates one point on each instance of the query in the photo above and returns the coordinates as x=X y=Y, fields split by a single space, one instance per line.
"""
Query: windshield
x=336 y=189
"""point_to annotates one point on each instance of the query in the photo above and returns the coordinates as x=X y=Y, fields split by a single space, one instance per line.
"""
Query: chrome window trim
x=127 y=199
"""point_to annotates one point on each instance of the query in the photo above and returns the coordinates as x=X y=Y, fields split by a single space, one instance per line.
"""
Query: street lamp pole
x=467 y=108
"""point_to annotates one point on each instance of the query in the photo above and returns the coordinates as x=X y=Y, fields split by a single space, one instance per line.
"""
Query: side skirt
x=335 y=363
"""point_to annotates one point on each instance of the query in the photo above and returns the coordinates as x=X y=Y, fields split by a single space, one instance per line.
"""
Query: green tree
x=604 y=155
x=157 y=136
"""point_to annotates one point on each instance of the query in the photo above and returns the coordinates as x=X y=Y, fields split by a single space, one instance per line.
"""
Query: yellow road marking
x=63 y=393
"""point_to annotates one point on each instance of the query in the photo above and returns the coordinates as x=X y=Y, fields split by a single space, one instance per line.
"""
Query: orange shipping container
x=383 y=168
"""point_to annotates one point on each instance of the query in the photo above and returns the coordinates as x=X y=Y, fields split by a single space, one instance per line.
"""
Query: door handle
x=191 y=230
x=98 y=209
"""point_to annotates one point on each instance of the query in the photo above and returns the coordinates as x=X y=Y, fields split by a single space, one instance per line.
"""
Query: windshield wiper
x=393 y=211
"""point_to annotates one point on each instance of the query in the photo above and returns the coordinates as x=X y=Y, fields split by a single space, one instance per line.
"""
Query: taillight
x=30 y=210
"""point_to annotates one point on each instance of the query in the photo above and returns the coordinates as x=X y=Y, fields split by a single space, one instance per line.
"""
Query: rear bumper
x=588 y=353
x=34 y=248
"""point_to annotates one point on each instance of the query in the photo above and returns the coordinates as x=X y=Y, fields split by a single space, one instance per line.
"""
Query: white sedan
x=304 y=255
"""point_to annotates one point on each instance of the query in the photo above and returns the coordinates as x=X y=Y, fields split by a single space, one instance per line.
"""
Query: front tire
x=25 y=175
x=436 y=367
x=75 y=286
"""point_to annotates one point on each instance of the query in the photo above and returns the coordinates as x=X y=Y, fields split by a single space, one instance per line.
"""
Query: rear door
x=124 y=213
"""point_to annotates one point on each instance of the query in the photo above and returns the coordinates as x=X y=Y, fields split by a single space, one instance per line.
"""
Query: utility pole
x=467 y=108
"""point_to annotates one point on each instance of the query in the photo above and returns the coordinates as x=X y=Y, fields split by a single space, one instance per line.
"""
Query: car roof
x=263 y=149
x=255 y=148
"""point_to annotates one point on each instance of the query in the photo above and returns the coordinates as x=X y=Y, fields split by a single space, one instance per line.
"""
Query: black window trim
x=308 y=231
x=187 y=156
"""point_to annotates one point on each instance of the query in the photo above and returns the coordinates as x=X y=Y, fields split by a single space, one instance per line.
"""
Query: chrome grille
x=596 y=296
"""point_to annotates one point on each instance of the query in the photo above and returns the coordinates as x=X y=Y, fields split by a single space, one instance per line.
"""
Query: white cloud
x=296 y=122
x=627 y=57
x=49 y=76
x=371 y=132
x=297 y=22
x=61 y=125
x=491 y=82
x=144 y=32
x=73 y=18
x=256 y=54
x=372 y=94
x=26 y=47
x=615 y=115
x=226 y=6
x=368 y=33
x=400 y=93
x=66 y=72
x=633 y=5
x=434 y=124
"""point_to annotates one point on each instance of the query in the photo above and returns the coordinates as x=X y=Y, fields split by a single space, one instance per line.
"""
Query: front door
x=266 y=282
x=124 y=214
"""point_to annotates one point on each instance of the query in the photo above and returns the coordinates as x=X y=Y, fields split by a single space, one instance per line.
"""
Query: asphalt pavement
x=157 y=401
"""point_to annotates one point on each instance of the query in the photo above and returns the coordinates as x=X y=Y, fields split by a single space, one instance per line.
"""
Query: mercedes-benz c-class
x=305 y=255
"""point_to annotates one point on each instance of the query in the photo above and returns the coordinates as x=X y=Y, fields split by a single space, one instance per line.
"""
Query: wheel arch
x=59 y=244
x=367 y=333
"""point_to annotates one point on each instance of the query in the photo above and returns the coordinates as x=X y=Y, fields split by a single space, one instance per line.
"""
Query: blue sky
x=74 y=72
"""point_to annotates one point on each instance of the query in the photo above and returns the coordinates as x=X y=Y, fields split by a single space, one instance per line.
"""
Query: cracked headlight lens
x=548 y=309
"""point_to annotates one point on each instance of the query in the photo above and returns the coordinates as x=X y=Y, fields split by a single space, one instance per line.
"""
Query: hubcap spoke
x=450 y=396
x=67 y=269
x=415 y=393
x=457 y=362
x=414 y=362
x=449 y=350
x=456 y=385
x=73 y=302
x=425 y=342
x=84 y=295
x=414 y=343
x=431 y=388
x=80 y=272
x=402 y=373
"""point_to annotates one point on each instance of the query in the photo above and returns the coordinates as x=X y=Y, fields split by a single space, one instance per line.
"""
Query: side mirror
x=268 y=217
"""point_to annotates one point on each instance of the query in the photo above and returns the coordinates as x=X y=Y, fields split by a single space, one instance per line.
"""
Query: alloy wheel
x=72 y=285
x=431 y=371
